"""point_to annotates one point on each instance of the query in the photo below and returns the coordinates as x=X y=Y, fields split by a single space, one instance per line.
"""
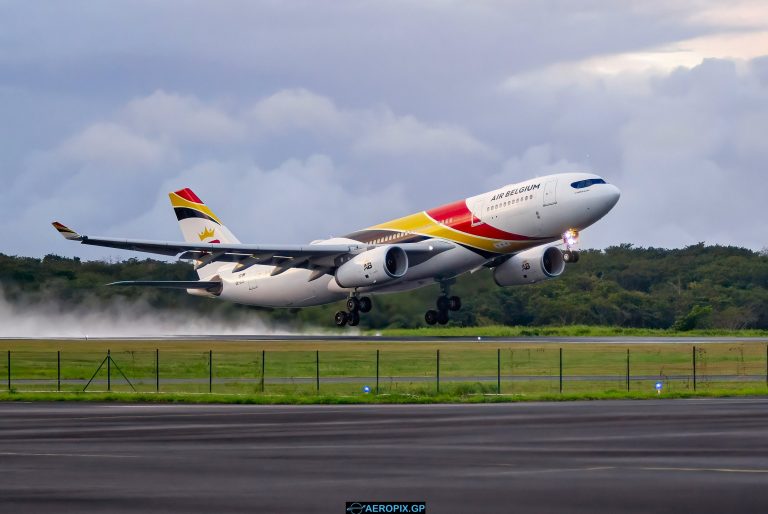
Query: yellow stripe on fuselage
x=177 y=201
x=422 y=224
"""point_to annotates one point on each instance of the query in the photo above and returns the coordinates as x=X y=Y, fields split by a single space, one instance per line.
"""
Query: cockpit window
x=586 y=183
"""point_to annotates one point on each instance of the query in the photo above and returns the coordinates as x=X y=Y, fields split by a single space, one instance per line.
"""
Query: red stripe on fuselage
x=458 y=217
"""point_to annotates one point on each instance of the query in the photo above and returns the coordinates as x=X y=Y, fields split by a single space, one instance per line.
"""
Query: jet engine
x=530 y=266
x=377 y=266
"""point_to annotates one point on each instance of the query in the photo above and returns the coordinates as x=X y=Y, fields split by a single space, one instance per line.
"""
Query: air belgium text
x=515 y=191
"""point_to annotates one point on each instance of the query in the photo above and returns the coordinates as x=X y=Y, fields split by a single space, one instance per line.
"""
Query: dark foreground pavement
x=612 y=456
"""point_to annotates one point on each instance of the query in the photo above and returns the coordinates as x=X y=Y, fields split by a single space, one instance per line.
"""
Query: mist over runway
x=387 y=339
x=703 y=455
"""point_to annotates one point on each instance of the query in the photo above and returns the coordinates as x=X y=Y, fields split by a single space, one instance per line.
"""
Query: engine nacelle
x=530 y=266
x=377 y=266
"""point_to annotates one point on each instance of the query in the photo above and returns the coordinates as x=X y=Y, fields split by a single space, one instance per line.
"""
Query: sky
x=301 y=120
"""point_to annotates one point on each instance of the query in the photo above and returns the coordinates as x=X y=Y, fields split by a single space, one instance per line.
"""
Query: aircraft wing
x=321 y=258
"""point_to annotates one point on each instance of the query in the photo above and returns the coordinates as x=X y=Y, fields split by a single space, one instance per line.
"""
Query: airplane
x=516 y=231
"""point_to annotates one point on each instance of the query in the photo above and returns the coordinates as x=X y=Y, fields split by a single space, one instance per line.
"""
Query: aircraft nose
x=606 y=197
x=612 y=194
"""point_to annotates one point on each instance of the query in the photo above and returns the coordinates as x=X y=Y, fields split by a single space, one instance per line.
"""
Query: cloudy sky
x=301 y=120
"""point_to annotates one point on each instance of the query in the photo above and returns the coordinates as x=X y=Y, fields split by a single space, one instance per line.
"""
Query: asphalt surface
x=700 y=456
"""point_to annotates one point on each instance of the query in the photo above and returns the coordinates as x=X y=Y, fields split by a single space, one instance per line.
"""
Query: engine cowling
x=377 y=266
x=530 y=266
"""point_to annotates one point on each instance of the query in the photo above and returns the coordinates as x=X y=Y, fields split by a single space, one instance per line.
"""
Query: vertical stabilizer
x=199 y=224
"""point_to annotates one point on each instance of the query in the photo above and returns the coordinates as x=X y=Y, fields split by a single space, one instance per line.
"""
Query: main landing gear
x=355 y=305
x=445 y=304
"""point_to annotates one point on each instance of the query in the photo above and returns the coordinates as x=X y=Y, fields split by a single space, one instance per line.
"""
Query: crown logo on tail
x=205 y=234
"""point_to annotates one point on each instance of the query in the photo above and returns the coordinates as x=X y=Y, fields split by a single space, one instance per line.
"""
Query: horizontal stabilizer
x=171 y=284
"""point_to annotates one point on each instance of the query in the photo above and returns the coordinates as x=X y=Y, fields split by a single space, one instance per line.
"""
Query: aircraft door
x=478 y=210
x=550 y=192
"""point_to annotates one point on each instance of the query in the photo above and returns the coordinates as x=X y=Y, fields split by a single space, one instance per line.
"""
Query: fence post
x=766 y=365
x=157 y=370
x=210 y=371
x=58 y=370
x=498 y=370
x=561 y=370
x=627 y=369
x=438 y=370
x=317 y=369
x=263 y=355
x=693 y=359
x=377 y=370
x=109 y=371
x=9 y=370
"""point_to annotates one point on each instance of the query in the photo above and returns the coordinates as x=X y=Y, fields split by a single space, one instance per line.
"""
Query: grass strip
x=560 y=331
x=319 y=399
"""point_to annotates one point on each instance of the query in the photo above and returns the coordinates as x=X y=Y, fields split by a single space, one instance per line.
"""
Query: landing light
x=571 y=237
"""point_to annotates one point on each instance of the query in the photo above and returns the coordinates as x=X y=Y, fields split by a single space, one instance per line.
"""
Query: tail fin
x=198 y=223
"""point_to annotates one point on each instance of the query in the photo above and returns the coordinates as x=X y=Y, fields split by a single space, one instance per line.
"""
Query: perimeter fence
x=508 y=370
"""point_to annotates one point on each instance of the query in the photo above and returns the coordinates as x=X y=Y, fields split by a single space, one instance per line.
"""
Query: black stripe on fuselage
x=183 y=213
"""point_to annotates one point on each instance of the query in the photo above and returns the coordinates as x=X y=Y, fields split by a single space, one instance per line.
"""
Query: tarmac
x=698 y=455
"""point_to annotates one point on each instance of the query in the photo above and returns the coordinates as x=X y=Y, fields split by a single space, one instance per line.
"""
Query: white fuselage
x=495 y=224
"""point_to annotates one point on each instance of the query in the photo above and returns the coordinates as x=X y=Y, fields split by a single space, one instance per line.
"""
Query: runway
x=703 y=455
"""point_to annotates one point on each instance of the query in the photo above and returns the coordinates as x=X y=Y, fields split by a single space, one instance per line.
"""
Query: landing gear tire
x=454 y=303
x=442 y=317
x=431 y=317
x=443 y=304
x=365 y=304
x=340 y=318
x=353 y=304
x=571 y=256
x=354 y=319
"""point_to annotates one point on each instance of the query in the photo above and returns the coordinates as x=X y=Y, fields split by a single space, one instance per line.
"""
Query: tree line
x=694 y=287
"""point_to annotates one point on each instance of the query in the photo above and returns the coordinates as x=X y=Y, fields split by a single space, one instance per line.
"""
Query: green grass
x=468 y=370
x=561 y=331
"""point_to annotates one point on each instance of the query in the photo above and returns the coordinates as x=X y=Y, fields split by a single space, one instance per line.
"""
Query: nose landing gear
x=355 y=305
x=571 y=256
x=571 y=241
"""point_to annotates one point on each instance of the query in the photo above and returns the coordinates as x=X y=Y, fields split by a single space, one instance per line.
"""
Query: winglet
x=65 y=231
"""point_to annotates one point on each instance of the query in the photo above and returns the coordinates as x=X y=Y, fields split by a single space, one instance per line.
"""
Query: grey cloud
x=296 y=202
x=109 y=144
x=280 y=112
x=184 y=117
